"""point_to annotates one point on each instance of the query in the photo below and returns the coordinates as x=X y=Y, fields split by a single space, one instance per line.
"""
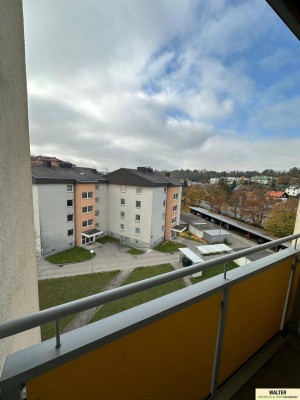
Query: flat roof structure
x=216 y=232
x=234 y=223
x=214 y=248
x=191 y=255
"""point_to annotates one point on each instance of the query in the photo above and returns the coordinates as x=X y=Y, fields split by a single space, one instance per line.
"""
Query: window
x=137 y=217
x=89 y=222
x=122 y=214
x=87 y=209
x=96 y=213
x=97 y=224
x=87 y=195
x=164 y=203
x=122 y=202
x=175 y=196
x=70 y=217
x=70 y=232
x=175 y=208
x=138 y=190
x=138 y=204
x=174 y=220
x=162 y=228
x=163 y=215
x=137 y=231
x=69 y=188
x=69 y=203
x=165 y=190
x=122 y=226
x=122 y=188
x=96 y=187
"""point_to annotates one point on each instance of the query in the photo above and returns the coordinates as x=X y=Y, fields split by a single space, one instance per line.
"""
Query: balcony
x=204 y=341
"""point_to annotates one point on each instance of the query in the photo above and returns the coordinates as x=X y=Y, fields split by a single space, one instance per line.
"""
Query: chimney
x=94 y=170
x=167 y=174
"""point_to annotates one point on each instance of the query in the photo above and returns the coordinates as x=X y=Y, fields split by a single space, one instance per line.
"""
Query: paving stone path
x=83 y=317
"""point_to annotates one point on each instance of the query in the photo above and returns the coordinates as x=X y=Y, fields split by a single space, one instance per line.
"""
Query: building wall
x=18 y=275
x=128 y=235
x=36 y=216
x=170 y=214
x=101 y=206
x=53 y=223
x=79 y=203
x=158 y=215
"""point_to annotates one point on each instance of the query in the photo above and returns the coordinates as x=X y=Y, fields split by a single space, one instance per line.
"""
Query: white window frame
x=72 y=234
x=122 y=227
x=175 y=208
x=136 y=202
x=72 y=203
x=139 y=218
x=122 y=202
x=89 y=195
x=139 y=231
x=89 y=209
x=87 y=223
x=175 y=196
x=97 y=187
x=122 y=188
x=138 y=190
x=164 y=203
x=70 y=191
x=70 y=220
x=122 y=216
x=165 y=190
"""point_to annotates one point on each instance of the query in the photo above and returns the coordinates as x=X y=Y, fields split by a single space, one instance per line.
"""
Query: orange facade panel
x=172 y=200
x=80 y=203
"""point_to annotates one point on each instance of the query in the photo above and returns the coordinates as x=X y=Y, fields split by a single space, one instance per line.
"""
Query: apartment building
x=66 y=204
x=73 y=206
x=144 y=206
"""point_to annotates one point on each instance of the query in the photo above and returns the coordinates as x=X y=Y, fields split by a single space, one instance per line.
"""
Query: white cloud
x=158 y=83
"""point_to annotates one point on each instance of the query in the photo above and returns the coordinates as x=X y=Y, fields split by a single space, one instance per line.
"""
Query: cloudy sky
x=167 y=83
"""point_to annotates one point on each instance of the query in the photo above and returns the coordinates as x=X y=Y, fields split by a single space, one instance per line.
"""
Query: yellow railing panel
x=170 y=359
x=253 y=316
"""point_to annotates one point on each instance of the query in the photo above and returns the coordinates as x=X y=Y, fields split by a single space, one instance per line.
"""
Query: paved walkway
x=83 y=317
x=109 y=257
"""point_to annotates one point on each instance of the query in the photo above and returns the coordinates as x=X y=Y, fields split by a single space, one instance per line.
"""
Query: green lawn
x=134 y=251
x=76 y=254
x=169 y=246
x=219 y=269
x=139 y=298
x=106 y=239
x=53 y=292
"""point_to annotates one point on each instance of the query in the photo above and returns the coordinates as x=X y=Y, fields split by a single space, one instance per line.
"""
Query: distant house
x=293 y=191
x=277 y=196
x=263 y=180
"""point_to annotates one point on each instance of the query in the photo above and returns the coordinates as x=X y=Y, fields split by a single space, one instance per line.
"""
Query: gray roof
x=134 y=177
x=216 y=232
x=44 y=174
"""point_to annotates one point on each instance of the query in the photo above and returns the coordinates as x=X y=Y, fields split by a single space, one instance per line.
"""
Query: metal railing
x=54 y=314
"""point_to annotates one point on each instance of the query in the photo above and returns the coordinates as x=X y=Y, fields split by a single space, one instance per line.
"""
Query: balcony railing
x=182 y=345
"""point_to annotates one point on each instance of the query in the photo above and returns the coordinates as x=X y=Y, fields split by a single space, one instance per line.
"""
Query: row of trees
x=290 y=177
x=252 y=207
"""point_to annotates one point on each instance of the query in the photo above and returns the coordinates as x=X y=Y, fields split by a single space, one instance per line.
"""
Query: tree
x=281 y=220
x=195 y=194
x=258 y=206
x=217 y=197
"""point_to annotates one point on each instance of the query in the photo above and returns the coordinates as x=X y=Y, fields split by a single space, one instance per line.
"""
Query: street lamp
x=92 y=252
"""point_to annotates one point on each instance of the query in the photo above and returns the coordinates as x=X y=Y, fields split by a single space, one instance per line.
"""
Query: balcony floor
x=281 y=371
